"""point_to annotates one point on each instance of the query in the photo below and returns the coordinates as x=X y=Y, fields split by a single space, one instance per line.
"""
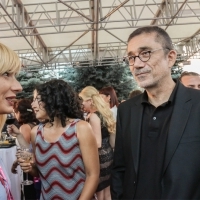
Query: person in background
x=123 y=100
x=109 y=95
x=61 y=145
x=101 y=119
x=4 y=129
x=157 y=143
x=25 y=117
x=9 y=67
x=134 y=93
x=27 y=120
x=191 y=80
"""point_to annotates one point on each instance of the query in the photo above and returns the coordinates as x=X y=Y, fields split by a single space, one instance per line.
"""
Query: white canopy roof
x=50 y=33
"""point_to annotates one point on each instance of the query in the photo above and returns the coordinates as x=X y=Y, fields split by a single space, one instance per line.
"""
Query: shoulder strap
x=103 y=123
x=31 y=125
x=74 y=122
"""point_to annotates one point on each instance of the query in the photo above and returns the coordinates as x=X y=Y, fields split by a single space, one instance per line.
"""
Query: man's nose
x=138 y=63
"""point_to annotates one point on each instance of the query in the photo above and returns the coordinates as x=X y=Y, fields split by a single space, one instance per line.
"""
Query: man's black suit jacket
x=181 y=173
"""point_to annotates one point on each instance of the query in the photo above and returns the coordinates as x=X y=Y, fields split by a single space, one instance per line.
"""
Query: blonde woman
x=101 y=119
x=9 y=67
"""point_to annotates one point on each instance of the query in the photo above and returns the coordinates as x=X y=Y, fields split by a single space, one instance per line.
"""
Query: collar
x=170 y=100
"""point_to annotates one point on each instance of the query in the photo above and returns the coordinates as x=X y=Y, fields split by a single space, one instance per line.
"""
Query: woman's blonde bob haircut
x=92 y=93
x=9 y=62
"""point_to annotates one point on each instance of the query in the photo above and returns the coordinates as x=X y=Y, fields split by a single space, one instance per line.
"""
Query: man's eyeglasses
x=144 y=56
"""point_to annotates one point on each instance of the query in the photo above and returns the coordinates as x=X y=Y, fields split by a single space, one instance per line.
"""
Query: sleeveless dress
x=105 y=157
x=60 y=165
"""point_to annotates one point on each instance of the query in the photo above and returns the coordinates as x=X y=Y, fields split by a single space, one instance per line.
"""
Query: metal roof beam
x=75 y=10
x=173 y=17
x=84 y=46
x=41 y=46
x=68 y=46
x=159 y=12
x=115 y=36
x=139 y=4
x=111 y=28
x=28 y=20
x=81 y=54
x=114 y=10
x=20 y=31
x=94 y=5
x=190 y=48
x=112 y=21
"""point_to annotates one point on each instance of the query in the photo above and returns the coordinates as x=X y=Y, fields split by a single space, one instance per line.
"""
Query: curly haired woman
x=101 y=119
x=62 y=145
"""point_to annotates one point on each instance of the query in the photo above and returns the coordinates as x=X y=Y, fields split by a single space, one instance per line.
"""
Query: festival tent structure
x=49 y=34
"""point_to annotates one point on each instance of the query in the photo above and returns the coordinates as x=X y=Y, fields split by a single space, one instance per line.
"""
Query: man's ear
x=172 y=55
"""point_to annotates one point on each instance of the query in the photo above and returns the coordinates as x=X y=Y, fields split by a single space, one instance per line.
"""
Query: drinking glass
x=3 y=136
x=27 y=156
x=10 y=119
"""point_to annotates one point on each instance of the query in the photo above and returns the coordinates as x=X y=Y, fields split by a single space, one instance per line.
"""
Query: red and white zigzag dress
x=60 y=165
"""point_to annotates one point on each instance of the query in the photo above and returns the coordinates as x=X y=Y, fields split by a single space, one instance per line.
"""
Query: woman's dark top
x=105 y=156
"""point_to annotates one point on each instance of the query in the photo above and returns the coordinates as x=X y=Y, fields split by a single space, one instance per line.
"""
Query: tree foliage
x=28 y=81
x=176 y=71
x=117 y=76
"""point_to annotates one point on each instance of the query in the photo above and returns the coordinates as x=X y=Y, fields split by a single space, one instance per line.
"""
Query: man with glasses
x=157 y=147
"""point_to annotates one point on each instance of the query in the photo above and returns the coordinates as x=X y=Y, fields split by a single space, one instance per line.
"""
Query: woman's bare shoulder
x=83 y=124
x=34 y=130
x=25 y=126
x=94 y=117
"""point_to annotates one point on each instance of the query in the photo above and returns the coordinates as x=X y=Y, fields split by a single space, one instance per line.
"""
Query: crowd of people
x=88 y=146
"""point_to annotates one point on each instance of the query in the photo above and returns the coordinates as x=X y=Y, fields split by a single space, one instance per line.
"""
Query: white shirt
x=114 y=111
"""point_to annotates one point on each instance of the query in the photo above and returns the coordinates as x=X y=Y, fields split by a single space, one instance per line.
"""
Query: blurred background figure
x=109 y=95
x=134 y=93
x=122 y=101
x=102 y=121
x=10 y=120
x=9 y=67
x=25 y=117
x=26 y=120
x=190 y=79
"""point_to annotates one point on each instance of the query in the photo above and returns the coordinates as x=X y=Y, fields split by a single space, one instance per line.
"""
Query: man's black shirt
x=155 y=127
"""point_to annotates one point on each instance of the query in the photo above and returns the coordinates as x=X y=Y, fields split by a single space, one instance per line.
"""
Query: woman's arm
x=95 y=123
x=30 y=167
x=25 y=130
x=14 y=166
x=89 y=151
x=34 y=171
x=14 y=131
